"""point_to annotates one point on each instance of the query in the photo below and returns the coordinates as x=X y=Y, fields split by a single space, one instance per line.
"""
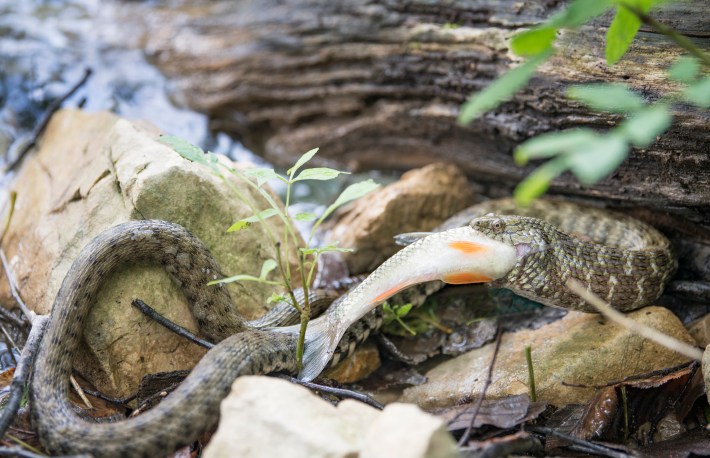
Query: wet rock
x=94 y=171
x=580 y=349
x=265 y=417
x=419 y=201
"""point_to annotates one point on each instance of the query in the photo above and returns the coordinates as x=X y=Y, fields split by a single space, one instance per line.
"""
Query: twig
x=22 y=371
x=9 y=343
x=13 y=289
x=22 y=453
x=10 y=212
x=150 y=312
x=586 y=446
x=339 y=392
x=633 y=326
x=44 y=120
x=680 y=39
x=80 y=391
x=489 y=378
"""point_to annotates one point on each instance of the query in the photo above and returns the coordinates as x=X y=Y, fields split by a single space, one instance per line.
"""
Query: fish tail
x=319 y=346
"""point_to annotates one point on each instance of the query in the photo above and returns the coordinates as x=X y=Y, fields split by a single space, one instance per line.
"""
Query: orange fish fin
x=463 y=278
x=467 y=247
x=388 y=293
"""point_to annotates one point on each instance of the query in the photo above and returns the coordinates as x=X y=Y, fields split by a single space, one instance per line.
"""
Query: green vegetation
x=531 y=374
x=404 y=319
x=308 y=255
x=588 y=154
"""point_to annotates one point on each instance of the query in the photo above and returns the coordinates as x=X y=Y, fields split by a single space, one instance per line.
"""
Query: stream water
x=45 y=47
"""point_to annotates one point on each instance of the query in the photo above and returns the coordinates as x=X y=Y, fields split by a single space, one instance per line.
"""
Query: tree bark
x=379 y=85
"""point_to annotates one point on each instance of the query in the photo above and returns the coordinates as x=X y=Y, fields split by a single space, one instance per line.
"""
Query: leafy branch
x=256 y=179
x=590 y=155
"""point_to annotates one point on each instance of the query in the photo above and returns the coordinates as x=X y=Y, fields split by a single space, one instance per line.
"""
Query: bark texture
x=379 y=85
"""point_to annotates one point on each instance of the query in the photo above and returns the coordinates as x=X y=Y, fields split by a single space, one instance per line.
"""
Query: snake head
x=527 y=235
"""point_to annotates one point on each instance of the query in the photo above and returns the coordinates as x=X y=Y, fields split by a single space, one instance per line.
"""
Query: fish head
x=472 y=257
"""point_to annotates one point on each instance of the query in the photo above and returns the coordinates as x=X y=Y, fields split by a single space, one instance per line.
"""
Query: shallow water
x=45 y=47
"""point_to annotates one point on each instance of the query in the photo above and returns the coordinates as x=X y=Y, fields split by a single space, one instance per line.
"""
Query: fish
x=456 y=256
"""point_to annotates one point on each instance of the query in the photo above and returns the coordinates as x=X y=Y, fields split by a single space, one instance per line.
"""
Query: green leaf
x=246 y=222
x=533 y=42
x=535 y=184
x=318 y=173
x=184 y=148
x=305 y=216
x=592 y=162
x=615 y=98
x=500 y=89
x=238 y=226
x=267 y=267
x=352 y=192
x=262 y=174
x=644 y=127
x=552 y=144
x=579 y=12
x=402 y=310
x=698 y=93
x=643 y=5
x=275 y=297
x=620 y=34
x=685 y=69
x=302 y=160
x=234 y=279
x=324 y=249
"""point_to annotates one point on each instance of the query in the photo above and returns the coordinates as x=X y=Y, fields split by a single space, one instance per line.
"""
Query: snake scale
x=619 y=258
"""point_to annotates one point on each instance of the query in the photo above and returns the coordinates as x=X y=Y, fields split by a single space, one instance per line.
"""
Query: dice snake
x=595 y=249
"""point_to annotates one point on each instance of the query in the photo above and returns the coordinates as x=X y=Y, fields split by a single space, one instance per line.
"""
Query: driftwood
x=379 y=85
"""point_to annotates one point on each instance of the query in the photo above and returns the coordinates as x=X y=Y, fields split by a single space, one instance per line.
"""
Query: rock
x=419 y=201
x=700 y=330
x=403 y=430
x=581 y=349
x=363 y=362
x=265 y=417
x=94 y=171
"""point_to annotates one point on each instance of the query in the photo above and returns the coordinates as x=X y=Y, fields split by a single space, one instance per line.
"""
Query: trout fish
x=456 y=256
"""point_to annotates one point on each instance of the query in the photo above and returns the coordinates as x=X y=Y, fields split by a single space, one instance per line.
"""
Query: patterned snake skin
x=630 y=269
x=620 y=259
x=194 y=406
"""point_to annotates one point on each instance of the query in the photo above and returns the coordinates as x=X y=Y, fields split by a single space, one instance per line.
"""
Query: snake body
x=622 y=260
x=194 y=406
x=636 y=257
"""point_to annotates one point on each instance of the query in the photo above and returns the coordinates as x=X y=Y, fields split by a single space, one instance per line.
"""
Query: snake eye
x=497 y=225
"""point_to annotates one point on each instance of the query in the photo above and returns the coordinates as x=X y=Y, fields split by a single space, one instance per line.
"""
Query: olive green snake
x=620 y=259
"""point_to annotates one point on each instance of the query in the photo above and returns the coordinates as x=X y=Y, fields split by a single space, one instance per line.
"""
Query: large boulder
x=91 y=172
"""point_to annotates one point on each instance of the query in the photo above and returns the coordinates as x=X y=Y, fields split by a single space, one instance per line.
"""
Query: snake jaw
x=523 y=250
